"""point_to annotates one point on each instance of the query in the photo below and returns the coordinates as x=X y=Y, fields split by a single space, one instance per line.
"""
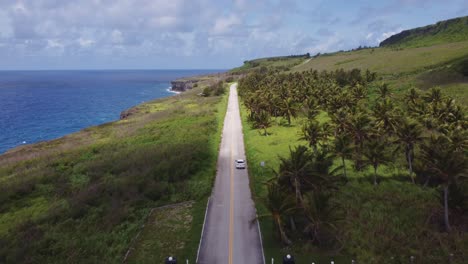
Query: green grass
x=268 y=149
x=83 y=197
x=170 y=231
x=458 y=91
x=388 y=61
x=423 y=67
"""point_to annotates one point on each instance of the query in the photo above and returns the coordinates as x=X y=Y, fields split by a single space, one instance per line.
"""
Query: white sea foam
x=171 y=91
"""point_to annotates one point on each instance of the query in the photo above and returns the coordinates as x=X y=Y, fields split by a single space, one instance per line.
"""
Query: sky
x=197 y=34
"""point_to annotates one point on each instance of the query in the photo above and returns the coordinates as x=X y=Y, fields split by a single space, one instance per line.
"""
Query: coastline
x=61 y=128
x=84 y=171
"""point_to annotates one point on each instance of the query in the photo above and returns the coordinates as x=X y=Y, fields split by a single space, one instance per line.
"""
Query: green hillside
x=451 y=30
x=354 y=144
x=443 y=65
x=83 y=198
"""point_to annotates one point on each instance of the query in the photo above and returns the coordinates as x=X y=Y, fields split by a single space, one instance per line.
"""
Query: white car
x=240 y=164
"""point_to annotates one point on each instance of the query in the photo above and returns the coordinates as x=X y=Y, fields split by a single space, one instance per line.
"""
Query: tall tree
x=360 y=129
x=376 y=154
x=262 y=120
x=319 y=214
x=409 y=133
x=314 y=133
x=384 y=91
x=295 y=170
x=343 y=149
x=447 y=164
x=280 y=205
x=386 y=116
x=288 y=108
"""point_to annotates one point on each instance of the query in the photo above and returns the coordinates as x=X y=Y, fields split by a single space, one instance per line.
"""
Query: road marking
x=231 y=209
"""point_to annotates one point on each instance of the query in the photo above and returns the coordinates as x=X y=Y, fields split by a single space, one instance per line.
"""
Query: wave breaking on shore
x=172 y=91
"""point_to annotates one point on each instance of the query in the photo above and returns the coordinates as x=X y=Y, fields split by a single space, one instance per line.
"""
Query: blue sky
x=184 y=34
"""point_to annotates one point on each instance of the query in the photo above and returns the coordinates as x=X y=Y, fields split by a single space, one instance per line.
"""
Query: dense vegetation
x=82 y=198
x=442 y=32
x=372 y=177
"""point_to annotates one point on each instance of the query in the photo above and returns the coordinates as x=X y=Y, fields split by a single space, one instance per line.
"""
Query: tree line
x=368 y=126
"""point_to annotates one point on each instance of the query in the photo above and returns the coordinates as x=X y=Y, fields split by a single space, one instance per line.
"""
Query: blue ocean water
x=43 y=105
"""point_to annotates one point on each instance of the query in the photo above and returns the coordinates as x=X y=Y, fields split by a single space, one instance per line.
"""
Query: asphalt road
x=229 y=235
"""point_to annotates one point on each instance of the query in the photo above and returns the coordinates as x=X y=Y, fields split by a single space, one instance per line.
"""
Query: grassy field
x=83 y=197
x=170 y=231
x=388 y=61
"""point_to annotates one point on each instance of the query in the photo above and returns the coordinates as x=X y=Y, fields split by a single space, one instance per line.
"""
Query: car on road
x=240 y=164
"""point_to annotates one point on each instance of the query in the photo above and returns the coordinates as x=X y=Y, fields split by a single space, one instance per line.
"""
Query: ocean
x=43 y=105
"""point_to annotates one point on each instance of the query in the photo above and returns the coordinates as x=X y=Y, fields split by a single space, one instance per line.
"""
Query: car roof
x=239 y=160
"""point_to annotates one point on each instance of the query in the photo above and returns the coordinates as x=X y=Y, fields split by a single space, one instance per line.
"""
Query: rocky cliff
x=182 y=85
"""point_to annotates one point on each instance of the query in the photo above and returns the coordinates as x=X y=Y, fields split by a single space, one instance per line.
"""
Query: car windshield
x=239 y=161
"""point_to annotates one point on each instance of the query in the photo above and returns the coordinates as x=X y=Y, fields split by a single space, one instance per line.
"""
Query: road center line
x=231 y=205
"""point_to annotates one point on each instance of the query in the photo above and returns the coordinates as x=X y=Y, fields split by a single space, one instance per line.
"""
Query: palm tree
x=311 y=108
x=458 y=137
x=343 y=149
x=376 y=154
x=288 y=108
x=340 y=120
x=386 y=115
x=319 y=215
x=314 y=133
x=409 y=133
x=434 y=96
x=447 y=164
x=384 y=91
x=262 y=120
x=322 y=176
x=360 y=128
x=295 y=170
x=413 y=96
x=280 y=205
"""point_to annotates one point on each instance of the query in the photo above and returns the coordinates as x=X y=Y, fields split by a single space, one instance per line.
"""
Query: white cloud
x=226 y=24
x=388 y=34
x=116 y=36
x=53 y=43
x=148 y=30
x=5 y=25
x=85 y=43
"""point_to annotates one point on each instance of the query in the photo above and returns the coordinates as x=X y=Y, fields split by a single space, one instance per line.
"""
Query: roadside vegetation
x=354 y=172
x=84 y=197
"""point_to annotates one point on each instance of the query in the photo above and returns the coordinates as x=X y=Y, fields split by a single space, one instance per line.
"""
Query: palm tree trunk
x=410 y=165
x=446 y=213
x=375 y=175
x=298 y=193
x=344 y=167
x=283 y=237
x=292 y=223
